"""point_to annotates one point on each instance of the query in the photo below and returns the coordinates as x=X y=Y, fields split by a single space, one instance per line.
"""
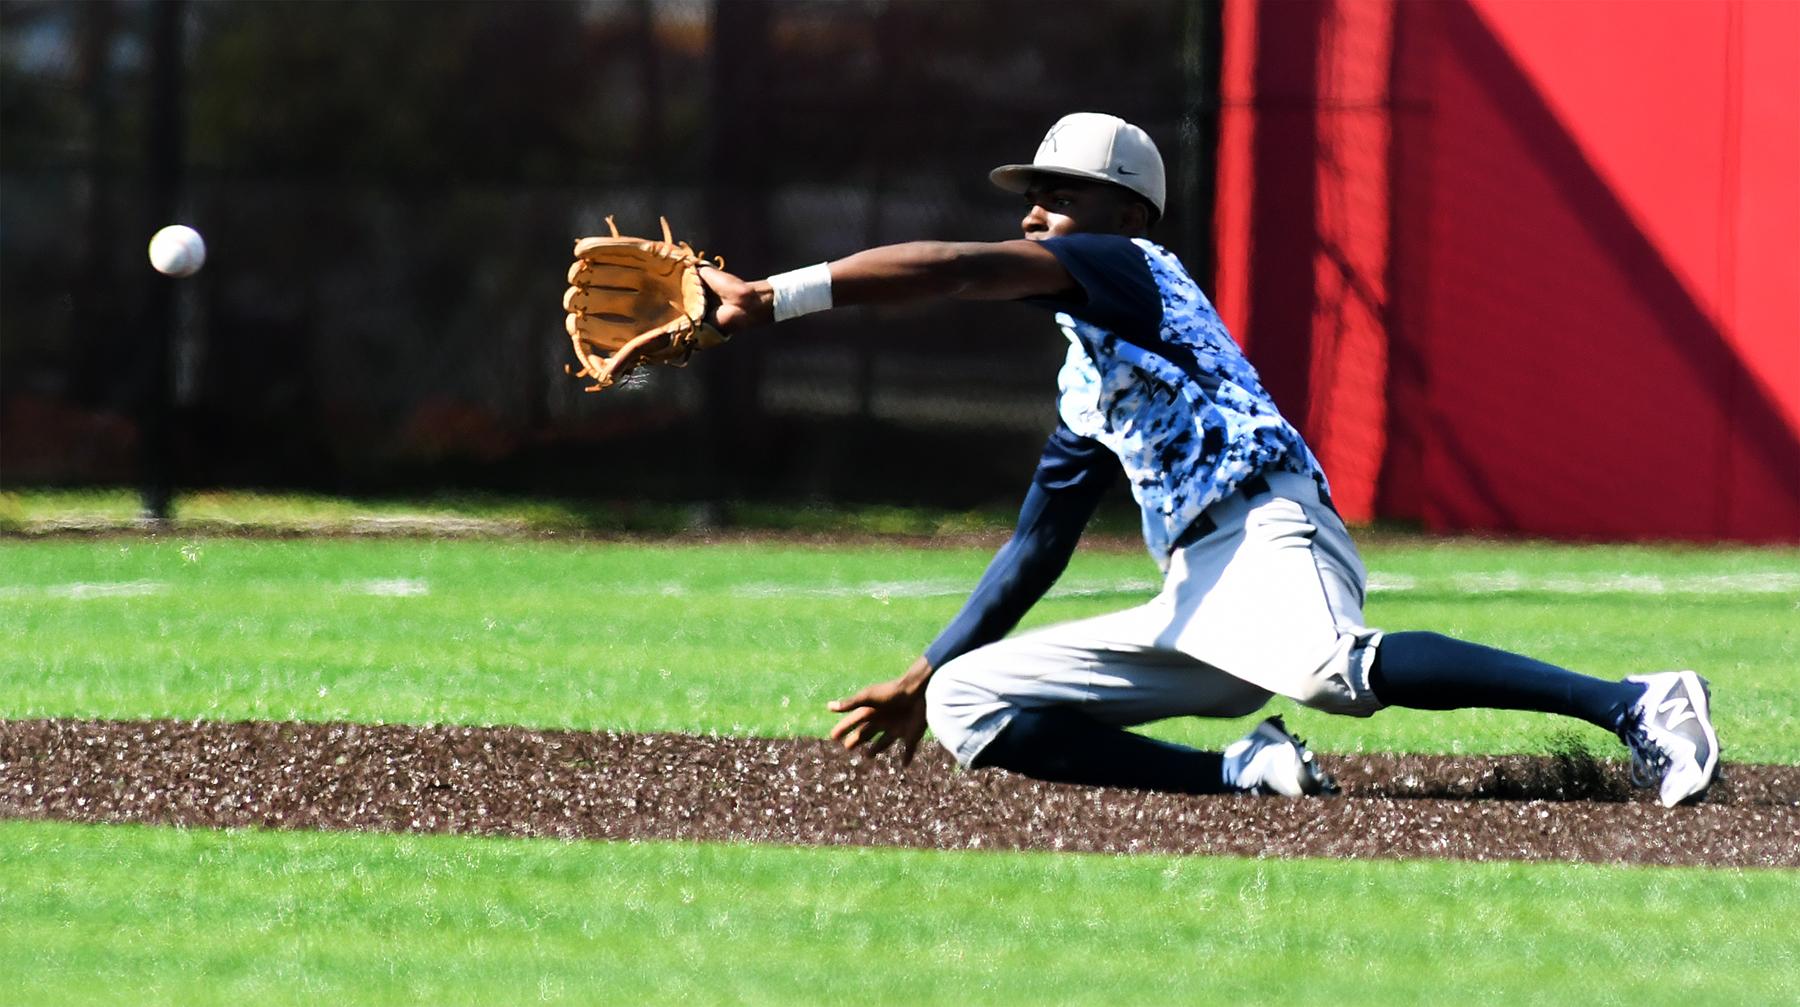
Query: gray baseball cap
x=1097 y=147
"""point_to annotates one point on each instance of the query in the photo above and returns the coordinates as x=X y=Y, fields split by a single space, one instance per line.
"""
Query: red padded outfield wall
x=1520 y=266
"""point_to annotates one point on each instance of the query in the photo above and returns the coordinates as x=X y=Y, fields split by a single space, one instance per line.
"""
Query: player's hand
x=742 y=304
x=881 y=714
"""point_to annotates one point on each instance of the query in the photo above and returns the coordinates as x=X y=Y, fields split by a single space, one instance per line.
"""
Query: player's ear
x=1134 y=215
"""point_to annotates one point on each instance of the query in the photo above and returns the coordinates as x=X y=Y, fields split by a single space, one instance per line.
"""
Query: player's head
x=1104 y=172
x=1056 y=205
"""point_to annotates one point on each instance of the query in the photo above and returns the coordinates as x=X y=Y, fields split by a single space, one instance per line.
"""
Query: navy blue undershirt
x=1070 y=479
x=1117 y=292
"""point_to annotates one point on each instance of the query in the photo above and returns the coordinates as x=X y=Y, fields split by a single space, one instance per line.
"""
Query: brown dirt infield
x=517 y=782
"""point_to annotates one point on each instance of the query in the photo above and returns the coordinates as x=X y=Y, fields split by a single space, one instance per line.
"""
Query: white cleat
x=1269 y=760
x=1670 y=733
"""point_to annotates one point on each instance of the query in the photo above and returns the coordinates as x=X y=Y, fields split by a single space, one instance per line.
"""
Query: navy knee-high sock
x=1063 y=745
x=1429 y=671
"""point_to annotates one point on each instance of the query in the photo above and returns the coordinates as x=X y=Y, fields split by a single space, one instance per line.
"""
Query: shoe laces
x=1327 y=783
x=1649 y=760
x=1306 y=754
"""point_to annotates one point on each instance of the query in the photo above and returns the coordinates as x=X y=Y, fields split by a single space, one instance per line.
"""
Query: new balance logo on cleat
x=1675 y=711
x=1669 y=731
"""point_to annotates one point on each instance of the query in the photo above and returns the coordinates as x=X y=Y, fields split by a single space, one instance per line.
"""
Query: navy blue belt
x=1251 y=488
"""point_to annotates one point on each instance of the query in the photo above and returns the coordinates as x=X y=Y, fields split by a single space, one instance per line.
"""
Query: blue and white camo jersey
x=1153 y=380
x=1153 y=375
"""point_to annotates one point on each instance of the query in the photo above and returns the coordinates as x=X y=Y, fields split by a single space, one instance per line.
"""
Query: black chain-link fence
x=389 y=192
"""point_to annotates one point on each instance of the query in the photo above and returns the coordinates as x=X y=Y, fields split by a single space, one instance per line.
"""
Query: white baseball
x=177 y=250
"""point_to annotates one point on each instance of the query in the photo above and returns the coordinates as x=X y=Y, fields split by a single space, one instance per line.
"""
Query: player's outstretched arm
x=913 y=272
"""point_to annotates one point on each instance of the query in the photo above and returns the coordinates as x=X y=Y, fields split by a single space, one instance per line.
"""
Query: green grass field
x=133 y=915
x=578 y=634
x=581 y=635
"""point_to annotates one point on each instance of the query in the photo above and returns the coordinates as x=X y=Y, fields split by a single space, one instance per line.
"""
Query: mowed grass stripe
x=119 y=914
x=755 y=638
x=1504 y=582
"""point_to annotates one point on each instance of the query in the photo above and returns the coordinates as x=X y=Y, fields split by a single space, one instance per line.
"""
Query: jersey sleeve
x=1118 y=292
x=1070 y=479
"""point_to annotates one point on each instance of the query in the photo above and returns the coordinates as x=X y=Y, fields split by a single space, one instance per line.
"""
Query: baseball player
x=1263 y=590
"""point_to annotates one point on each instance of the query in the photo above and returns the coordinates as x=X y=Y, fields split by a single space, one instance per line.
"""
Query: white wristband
x=802 y=291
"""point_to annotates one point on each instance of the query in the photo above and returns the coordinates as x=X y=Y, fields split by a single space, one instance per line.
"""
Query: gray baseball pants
x=1268 y=603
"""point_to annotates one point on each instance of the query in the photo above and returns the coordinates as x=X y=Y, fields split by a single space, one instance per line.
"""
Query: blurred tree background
x=389 y=192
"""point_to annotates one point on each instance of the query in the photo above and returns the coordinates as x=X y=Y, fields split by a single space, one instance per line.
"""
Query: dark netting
x=389 y=192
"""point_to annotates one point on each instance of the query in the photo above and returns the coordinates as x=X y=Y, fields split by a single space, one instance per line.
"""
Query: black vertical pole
x=163 y=162
x=655 y=106
x=100 y=226
x=736 y=201
x=1202 y=51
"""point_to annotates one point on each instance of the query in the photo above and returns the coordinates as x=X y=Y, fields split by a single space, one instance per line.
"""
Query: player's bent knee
x=1340 y=684
x=936 y=713
x=1329 y=699
x=941 y=691
x=962 y=714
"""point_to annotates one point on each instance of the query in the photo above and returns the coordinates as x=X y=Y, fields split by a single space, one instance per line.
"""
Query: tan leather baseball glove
x=635 y=301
